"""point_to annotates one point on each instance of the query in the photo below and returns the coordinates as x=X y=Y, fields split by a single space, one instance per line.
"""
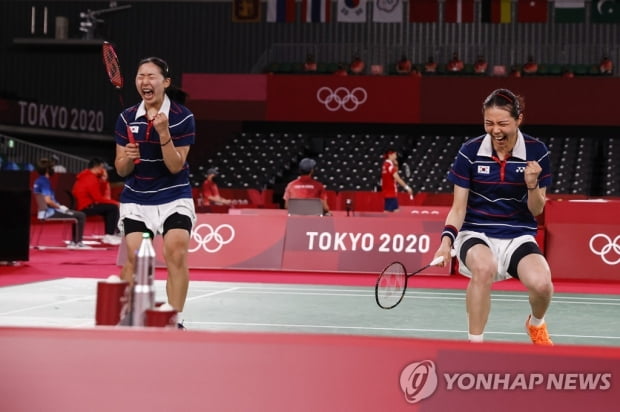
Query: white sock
x=476 y=338
x=534 y=321
x=180 y=317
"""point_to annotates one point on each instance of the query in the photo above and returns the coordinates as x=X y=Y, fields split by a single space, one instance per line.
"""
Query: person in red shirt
x=456 y=64
x=404 y=65
x=357 y=65
x=430 y=66
x=530 y=67
x=91 y=192
x=389 y=179
x=310 y=63
x=341 y=71
x=211 y=192
x=481 y=65
x=306 y=186
x=606 y=66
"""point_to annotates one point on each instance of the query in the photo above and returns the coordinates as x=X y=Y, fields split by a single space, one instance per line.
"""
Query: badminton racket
x=113 y=69
x=392 y=282
x=407 y=172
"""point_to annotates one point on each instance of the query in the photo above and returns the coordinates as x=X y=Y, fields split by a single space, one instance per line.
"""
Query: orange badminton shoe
x=539 y=335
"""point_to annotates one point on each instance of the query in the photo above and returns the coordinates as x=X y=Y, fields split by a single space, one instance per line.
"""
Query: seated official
x=91 y=192
x=455 y=64
x=306 y=187
x=310 y=64
x=404 y=65
x=606 y=66
x=430 y=66
x=481 y=65
x=43 y=186
x=210 y=191
x=530 y=67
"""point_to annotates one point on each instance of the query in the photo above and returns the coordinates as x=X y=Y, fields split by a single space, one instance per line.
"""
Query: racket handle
x=132 y=140
x=439 y=259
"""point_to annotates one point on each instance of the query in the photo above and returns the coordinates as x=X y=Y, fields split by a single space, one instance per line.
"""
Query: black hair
x=174 y=93
x=95 y=161
x=161 y=63
x=45 y=165
x=505 y=99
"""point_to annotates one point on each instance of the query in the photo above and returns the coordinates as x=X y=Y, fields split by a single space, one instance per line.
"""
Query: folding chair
x=42 y=220
x=305 y=207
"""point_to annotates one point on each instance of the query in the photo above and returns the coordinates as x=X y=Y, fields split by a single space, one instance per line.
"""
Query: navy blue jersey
x=497 y=202
x=151 y=183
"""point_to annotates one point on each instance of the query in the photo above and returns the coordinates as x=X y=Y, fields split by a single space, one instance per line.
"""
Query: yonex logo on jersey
x=418 y=380
x=520 y=169
x=484 y=169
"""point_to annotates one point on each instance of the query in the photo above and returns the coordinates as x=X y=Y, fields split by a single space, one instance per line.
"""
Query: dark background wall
x=200 y=37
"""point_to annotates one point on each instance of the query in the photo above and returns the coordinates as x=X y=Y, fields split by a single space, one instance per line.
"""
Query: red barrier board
x=223 y=241
x=362 y=244
x=363 y=99
x=583 y=239
x=78 y=369
x=237 y=241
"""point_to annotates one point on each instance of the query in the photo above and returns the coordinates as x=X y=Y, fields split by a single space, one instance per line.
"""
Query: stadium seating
x=611 y=167
x=352 y=162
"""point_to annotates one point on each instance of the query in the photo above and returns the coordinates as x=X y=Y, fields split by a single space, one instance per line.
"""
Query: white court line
x=522 y=297
x=374 y=328
x=510 y=296
x=56 y=303
x=217 y=292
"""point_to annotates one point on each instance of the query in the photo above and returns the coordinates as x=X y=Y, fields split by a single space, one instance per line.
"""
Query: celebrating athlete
x=500 y=181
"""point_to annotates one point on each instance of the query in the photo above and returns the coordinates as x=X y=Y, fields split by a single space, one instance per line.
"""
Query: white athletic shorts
x=154 y=216
x=502 y=249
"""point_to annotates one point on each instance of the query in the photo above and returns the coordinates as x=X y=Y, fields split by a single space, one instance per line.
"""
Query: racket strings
x=112 y=67
x=391 y=285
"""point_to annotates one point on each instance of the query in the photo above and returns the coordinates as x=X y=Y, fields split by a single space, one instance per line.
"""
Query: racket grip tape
x=132 y=140
x=439 y=259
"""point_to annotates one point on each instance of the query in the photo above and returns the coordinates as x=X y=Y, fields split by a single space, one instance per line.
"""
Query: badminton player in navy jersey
x=157 y=196
x=500 y=180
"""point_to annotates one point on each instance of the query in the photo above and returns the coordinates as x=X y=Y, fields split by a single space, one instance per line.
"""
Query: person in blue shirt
x=153 y=139
x=500 y=180
x=43 y=186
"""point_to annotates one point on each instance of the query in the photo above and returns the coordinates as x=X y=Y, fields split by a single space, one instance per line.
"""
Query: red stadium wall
x=397 y=99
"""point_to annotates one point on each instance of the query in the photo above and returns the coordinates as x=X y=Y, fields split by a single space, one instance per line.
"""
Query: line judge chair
x=43 y=221
x=305 y=207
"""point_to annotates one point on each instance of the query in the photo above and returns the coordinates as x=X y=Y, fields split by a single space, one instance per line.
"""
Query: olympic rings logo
x=214 y=239
x=341 y=98
x=603 y=252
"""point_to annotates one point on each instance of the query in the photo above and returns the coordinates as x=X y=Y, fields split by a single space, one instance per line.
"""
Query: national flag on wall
x=532 y=11
x=246 y=11
x=315 y=11
x=423 y=11
x=496 y=11
x=570 y=11
x=281 y=11
x=387 y=11
x=605 y=11
x=351 y=11
x=458 y=11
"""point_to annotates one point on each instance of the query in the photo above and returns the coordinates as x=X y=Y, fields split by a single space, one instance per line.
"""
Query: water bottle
x=144 y=281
